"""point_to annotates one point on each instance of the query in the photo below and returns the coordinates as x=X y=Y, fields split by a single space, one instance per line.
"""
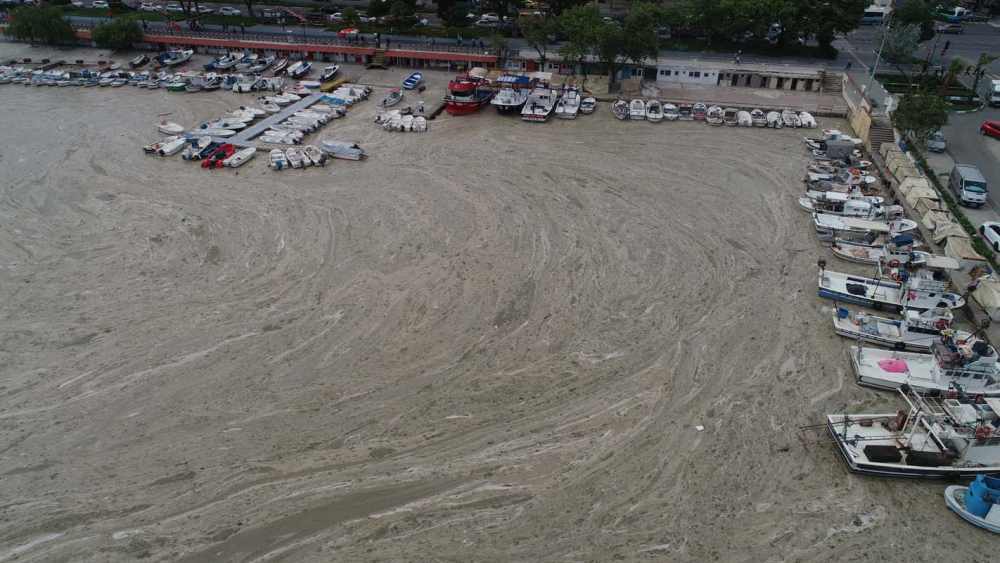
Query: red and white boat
x=467 y=94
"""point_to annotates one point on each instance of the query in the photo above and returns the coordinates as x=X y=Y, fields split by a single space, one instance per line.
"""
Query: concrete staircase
x=878 y=134
x=831 y=83
x=378 y=60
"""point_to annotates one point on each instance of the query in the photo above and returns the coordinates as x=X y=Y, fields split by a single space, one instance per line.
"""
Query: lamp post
x=878 y=57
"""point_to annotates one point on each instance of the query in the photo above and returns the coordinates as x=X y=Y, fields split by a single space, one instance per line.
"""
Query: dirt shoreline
x=490 y=342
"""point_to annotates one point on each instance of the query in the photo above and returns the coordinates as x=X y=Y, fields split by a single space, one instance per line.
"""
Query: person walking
x=849 y=62
x=736 y=57
x=243 y=29
x=968 y=69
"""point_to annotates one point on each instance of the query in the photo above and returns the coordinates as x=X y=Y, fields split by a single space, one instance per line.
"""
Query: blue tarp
x=514 y=80
x=902 y=240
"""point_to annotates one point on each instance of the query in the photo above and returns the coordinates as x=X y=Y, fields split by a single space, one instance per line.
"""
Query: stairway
x=378 y=60
x=831 y=83
x=877 y=135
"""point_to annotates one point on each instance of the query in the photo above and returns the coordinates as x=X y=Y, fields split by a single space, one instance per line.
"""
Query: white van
x=968 y=185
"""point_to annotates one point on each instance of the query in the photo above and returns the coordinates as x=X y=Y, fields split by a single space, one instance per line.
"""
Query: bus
x=952 y=15
x=874 y=15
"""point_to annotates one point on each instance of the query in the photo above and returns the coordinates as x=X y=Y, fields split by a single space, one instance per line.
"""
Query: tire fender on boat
x=897 y=276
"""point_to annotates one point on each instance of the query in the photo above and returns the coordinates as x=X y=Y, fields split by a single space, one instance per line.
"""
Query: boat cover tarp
x=894 y=366
x=987 y=294
x=932 y=219
x=961 y=249
x=512 y=80
x=479 y=72
x=926 y=204
x=864 y=225
x=917 y=193
x=897 y=159
x=908 y=184
x=949 y=231
x=944 y=262
x=886 y=148
x=903 y=172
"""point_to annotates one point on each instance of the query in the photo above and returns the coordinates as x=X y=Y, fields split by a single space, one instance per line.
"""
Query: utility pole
x=930 y=53
x=878 y=57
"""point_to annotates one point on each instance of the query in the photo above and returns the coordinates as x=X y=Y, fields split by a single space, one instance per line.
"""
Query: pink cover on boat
x=893 y=366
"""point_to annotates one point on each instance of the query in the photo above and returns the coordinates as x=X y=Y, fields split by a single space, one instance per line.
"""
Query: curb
x=960 y=112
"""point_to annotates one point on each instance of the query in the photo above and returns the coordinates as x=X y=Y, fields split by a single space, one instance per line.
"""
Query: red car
x=990 y=129
x=220 y=154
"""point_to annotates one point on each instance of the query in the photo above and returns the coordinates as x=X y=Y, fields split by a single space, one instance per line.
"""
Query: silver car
x=935 y=142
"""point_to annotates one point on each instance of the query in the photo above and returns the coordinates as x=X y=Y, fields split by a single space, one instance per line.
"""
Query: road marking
x=857 y=58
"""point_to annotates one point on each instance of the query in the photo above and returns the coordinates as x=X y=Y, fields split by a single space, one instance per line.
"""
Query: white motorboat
x=169 y=128
x=790 y=118
x=247 y=62
x=979 y=503
x=249 y=83
x=194 y=150
x=512 y=95
x=308 y=85
x=420 y=124
x=541 y=102
x=835 y=224
x=882 y=294
x=278 y=100
x=391 y=121
x=915 y=332
x=406 y=124
x=153 y=148
x=297 y=158
x=637 y=110
x=315 y=155
x=896 y=252
x=343 y=149
x=328 y=73
x=228 y=61
x=588 y=105
x=743 y=119
x=239 y=158
x=971 y=367
x=173 y=147
x=806 y=120
x=278 y=160
x=758 y=117
x=568 y=105
x=654 y=111
x=714 y=116
x=818 y=143
x=269 y=106
x=293 y=69
x=317 y=116
x=290 y=96
x=395 y=96
x=848 y=205
x=774 y=120
x=670 y=112
x=729 y=116
x=953 y=438
x=620 y=109
x=278 y=140
x=213 y=132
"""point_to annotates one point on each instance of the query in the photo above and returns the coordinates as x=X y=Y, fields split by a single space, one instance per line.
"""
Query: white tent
x=961 y=249
x=949 y=231
x=934 y=219
x=907 y=184
x=917 y=193
x=987 y=294
x=887 y=148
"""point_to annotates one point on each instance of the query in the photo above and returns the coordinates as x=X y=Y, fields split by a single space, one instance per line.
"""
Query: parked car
x=205 y=10
x=99 y=4
x=990 y=129
x=337 y=17
x=229 y=11
x=365 y=18
x=968 y=185
x=147 y=7
x=951 y=28
x=490 y=18
x=486 y=24
x=976 y=17
x=935 y=142
x=76 y=3
x=991 y=232
x=174 y=8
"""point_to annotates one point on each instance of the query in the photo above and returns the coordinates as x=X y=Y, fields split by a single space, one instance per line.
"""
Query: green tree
x=609 y=47
x=897 y=42
x=920 y=113
x=826 y=20
x=984 y=59
x=45 y=23
x=639 y=33
x=578 y=27
x=536 y=33
x=399 y=10
x=955 y=67
x=500 y=45
x=557 y=7
x=914 y=12
x=117 y=34
x=501 y=7
x=350 y=13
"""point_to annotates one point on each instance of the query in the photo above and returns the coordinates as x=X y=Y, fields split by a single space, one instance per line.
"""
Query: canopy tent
x=949 y=231
x=933 y=219
x=479 y=72
x=961 y=249
x=926 y=204
x=918 y=193
x=887 y=148
x=903 y=172
x=987 y=294
x=907 y=184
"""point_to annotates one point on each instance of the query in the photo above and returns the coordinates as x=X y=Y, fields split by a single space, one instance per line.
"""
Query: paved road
x=967 y=146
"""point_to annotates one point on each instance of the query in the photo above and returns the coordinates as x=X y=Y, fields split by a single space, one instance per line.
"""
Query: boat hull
x=509 y=109
x=466 y=107
x=954 y=498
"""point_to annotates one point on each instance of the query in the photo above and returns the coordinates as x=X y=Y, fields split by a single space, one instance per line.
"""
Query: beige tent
x=919 y=193
x=903 y=172
x=961 y=249
x=898 y=161
x=907 y=184
x=949 y=231
x=933 y=219
x=987 y=294
x=926 y=204
x=886 y=148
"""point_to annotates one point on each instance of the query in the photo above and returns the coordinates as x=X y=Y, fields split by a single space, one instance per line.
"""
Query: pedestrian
x=849 y=62
x=967 y=70
x=433 y=42
x=387 y=42
x=243 y=29
x=225 y=26
x=480 y=43
x=737 y=61
x=982 y=73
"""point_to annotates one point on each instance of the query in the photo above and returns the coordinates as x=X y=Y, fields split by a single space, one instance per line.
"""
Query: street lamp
x=878 y=57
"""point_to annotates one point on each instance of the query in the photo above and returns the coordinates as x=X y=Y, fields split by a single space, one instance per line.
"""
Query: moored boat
x=467 y=94
x=714 y=116
x=413 y=80
x=654 y=111
x=588 y=105
x=729 y=116
x=699 y=111
x=882 y=294
x=637 y=110
x=512 y=95
x=685 y=112
x=915 y=332
x=240 y=157
x=568 y=105
x=541 y=102
x=979 y=503
x=758 y=117
x=620 y=109
x=343 y=149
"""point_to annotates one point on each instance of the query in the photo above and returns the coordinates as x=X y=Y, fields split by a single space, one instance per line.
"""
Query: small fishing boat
x=774 y=120
x=173 y=147
x=588 y=105
x=743 y=119
x=835 y=225
x=199 y=149
x=729 y=116
x=227 y=61
x=806 y=120
x=699 y=111
x=138 y=61
x=915 y=332
x=407 y=123
x=310 y=84
x=714 y=116
x=685 y=112
x=395 y=96
x=790 y=118
x=979 y=503
x=269 y=106
x=278 y=160
x=300 y=69
x=568 y=105
x=297 y=158
x=195 y=85
x=280 y=66
x=637 y=110
x=654 y=111
x=247 y=62
x=278 y=100
x=971 y=366
x=758 y=117
x=620 y=109
x=152 y=148
x=218 y=156
x=897 y=251
x=541 y=102
x=343 y=149
x=169 y=128
x=315 y=155
x=670 y=112
x=214 y=132
x=267 y=138
x=882 y=294
x=239 y=158
x=176 y=85
x=419 y=124
x=289 y=97
x=413 y=80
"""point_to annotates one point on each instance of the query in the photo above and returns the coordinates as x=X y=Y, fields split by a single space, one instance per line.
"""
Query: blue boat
x=979 y=503
x=414 y=79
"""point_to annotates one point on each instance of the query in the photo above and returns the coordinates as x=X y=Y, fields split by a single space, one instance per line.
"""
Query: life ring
x=893 y=263
x=951 y=395
x=941 y=324
x=983 y=432
x=955 y=358
x=897 y=276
